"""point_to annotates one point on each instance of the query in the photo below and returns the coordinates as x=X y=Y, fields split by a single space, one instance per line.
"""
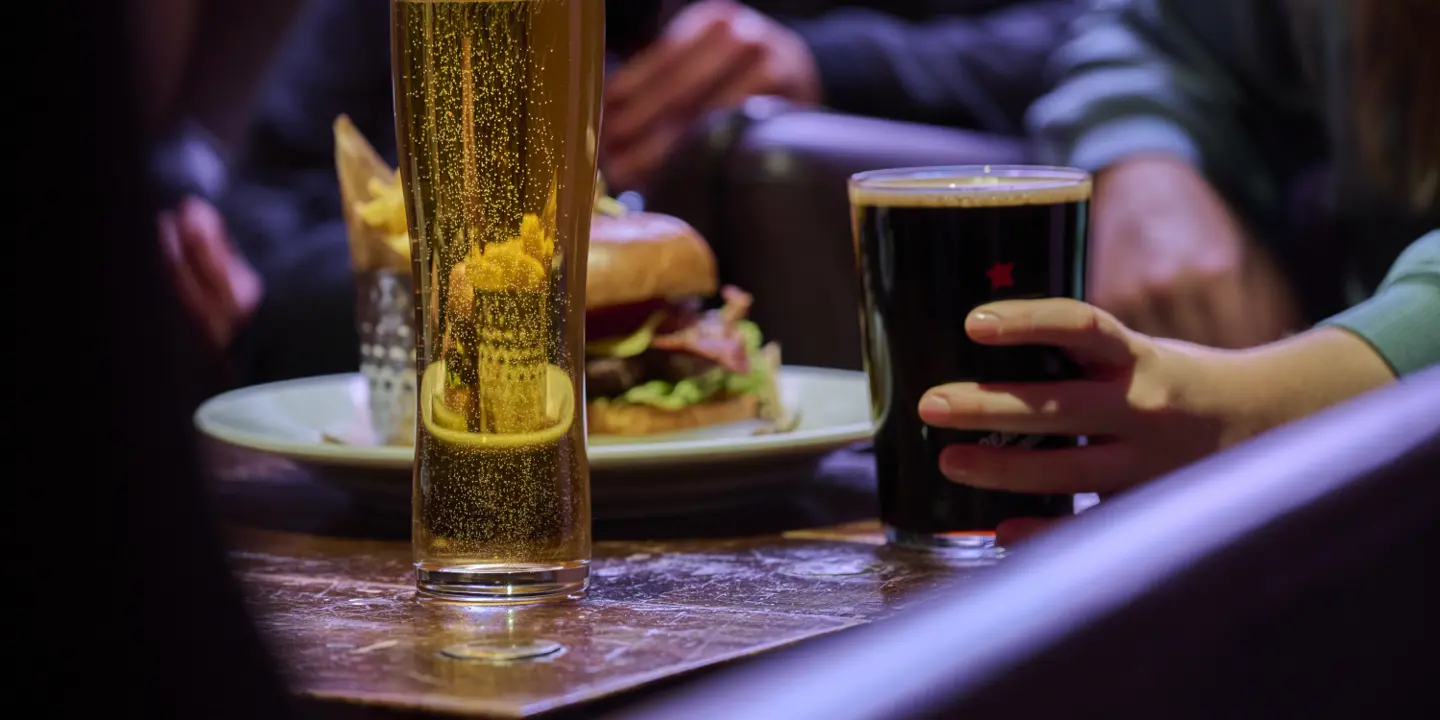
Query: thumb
x=1090 y=335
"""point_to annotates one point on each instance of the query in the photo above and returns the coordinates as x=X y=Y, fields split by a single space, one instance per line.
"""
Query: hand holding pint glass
x=932 y=245
x=497 y=107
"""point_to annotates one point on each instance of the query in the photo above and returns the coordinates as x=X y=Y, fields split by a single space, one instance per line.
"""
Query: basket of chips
x=374 y=209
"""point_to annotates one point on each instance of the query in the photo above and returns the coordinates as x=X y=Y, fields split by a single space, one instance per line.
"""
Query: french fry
x=372 y=201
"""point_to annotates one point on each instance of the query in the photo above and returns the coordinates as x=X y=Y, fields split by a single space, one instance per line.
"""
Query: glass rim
x=923 y=178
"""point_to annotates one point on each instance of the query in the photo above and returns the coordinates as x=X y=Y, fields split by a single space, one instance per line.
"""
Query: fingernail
x=954 y=465
x=955 y=473
x=934 y=407
x=982 y=323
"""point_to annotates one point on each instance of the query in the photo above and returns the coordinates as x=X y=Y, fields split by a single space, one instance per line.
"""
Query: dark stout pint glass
x=931 y=245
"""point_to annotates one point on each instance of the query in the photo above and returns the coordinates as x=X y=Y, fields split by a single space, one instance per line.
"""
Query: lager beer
x=497 y=108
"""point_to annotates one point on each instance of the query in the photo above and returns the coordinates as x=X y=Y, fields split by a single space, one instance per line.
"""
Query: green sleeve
x=1185 y=78
x=1402 y=320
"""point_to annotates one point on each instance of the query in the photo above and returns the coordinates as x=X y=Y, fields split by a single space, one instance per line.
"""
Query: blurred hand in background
x=201 y=64
x=1172 y=260
x=713 y=55
x=217 y=286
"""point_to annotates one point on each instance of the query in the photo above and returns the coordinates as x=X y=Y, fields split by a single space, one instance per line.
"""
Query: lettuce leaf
x=739 y=384
x=693 y=391
x=674 y=396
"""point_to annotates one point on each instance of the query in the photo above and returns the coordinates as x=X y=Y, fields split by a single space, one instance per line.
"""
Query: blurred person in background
x=264 y=267
x=970 y=64
x=1260 y=164
x=149 y=564
x=1196 y=117
x=205 y=62
x=267 y=274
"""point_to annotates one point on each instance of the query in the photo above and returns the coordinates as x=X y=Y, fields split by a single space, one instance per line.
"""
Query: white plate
x=291 y=419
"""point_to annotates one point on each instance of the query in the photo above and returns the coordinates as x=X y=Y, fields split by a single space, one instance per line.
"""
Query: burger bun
x=625 y=419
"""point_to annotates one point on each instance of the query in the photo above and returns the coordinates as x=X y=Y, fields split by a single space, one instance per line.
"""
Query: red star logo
x=1000 y=276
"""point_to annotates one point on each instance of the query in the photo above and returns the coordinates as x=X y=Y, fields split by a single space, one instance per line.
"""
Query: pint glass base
x=502 y=584
x=958 y=545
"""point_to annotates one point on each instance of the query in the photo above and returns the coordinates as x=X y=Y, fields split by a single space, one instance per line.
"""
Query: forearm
x=1271 y=386
x=233 y=45
x=1172 y=77
x=336 y=61
x=978 y=71
x=203 y=62
x=1393 y=334
x=164 y=32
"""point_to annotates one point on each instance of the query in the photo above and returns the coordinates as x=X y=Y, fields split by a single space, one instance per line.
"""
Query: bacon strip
x=715 y=336
x=737 y=304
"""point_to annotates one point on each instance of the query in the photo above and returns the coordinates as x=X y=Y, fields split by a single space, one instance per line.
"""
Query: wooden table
x=339 y=608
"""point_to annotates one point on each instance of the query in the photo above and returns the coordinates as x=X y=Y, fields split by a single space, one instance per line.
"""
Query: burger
x=657 y=359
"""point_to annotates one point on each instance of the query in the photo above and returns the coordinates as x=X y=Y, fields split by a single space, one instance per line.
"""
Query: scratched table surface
x=332 y=588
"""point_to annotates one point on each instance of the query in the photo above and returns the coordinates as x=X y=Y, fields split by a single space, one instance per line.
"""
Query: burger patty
x=611 y=377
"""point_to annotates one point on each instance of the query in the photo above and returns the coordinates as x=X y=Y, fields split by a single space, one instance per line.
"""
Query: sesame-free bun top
x=647 y=256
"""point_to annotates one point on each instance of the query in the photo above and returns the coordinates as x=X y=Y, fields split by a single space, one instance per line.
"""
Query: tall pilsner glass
x=497 y=106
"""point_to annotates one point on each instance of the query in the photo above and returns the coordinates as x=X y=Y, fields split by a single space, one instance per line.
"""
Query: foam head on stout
x=656 y=360
x=931 y=246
